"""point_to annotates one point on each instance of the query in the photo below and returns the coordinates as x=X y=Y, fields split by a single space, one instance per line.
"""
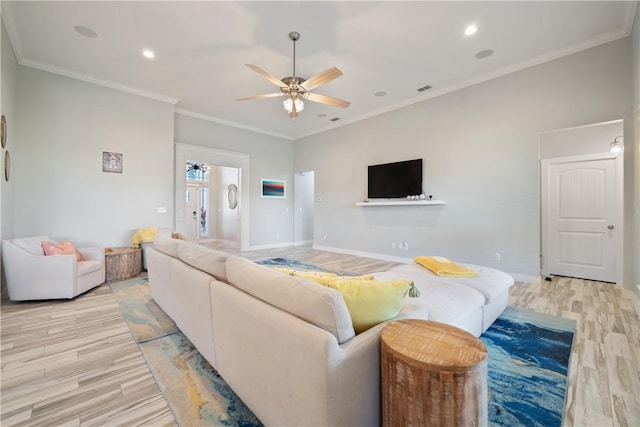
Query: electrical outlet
x=405 y=246
x=277 y=235
x=498 y=257
x=393 y=245
x=324 y=237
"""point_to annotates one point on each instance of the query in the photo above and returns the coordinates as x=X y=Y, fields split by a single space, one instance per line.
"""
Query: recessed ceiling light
x=471 y=29
x=85 y=31
x=148 y=54
x=484 y=53
x=380 y=93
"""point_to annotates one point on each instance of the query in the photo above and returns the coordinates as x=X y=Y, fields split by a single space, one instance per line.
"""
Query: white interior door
x=581 y=218
x=191 y=217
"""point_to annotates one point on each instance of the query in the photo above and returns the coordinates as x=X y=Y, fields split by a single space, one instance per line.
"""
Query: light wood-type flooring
x=75 y=362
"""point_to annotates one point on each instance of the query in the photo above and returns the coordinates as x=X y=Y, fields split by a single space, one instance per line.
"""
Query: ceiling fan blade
x=321 y=78
x=324 y=99
x=276 y=81
x=263 y=96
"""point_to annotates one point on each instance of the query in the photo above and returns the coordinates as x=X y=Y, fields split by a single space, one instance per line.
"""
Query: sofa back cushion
x=33 y=245
x=208 y=260
x=321 y=306
x=167 y=245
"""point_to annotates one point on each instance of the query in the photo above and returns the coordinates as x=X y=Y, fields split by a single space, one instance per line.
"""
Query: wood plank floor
x=75 y=362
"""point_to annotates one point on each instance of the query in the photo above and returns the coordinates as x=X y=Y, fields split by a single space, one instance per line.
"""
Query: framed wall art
x=273 y=188
x=111 y=162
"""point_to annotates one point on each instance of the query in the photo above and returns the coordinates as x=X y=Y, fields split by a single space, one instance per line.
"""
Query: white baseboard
x=363 y=254
x=303 y=242
x=525 y=278
x=226 y=242
x=269 y=246
x=517 y=277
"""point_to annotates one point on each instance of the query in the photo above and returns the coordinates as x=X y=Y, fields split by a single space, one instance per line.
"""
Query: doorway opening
x=212 y=205
x=303 y=206
x=581 y=203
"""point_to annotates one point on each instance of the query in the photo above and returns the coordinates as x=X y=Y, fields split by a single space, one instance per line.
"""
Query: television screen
x=393 y=180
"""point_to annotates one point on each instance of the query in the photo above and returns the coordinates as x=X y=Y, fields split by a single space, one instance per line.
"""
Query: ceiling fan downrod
x=294 y=36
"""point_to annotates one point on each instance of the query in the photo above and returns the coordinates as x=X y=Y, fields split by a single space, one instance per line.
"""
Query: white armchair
x=33 y=276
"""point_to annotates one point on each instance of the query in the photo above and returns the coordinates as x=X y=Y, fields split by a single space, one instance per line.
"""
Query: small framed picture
x=273 y=188
x=111 y=162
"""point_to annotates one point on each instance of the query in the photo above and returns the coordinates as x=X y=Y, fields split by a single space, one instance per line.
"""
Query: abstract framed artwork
x=111 y=162
x=273 y=188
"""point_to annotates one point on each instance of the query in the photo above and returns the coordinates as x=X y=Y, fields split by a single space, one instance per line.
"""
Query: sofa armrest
x=92 y=254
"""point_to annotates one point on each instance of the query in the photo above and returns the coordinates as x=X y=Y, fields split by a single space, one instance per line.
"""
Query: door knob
x=610 y=227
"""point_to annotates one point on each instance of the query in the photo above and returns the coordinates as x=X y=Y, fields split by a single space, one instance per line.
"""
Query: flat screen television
x=394 y=180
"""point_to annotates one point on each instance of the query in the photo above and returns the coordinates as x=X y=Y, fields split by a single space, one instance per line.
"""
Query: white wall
x=64 y=125
x=8 y=67
x=591 y=139
x=9 y=79
x=633 y=147
x=480 y=151
x=271 y=221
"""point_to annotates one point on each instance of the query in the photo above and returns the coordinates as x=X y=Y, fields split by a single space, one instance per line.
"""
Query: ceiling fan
x=296 y=88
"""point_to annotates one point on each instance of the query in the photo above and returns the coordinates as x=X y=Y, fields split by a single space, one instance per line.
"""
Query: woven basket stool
x=433 y=374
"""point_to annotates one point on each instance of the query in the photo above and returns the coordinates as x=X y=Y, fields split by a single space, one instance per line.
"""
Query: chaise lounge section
x=287 y=345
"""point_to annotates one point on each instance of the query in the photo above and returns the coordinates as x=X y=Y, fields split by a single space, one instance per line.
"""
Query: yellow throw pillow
x=371 y=301
x=321 y=277
x=325 y=278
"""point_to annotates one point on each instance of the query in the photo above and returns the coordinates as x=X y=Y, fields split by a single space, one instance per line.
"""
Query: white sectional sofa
x=286 y=345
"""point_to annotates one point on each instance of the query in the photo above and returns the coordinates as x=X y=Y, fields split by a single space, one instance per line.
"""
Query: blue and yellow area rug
x=196 y=394
x=528 y=364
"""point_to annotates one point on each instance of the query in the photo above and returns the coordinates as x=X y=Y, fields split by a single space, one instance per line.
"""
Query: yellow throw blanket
x=143 y=235
x=444 y=267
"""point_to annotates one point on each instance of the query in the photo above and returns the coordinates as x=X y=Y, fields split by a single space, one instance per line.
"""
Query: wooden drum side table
x=122 y=263
x=433 y=374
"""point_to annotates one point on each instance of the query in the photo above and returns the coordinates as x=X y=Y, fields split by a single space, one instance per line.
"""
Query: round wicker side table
x=433 y=374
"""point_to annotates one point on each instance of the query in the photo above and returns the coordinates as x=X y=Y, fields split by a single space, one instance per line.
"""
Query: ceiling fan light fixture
x=290 y=102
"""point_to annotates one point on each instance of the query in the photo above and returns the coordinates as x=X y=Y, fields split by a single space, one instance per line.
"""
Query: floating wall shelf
x=401 y=203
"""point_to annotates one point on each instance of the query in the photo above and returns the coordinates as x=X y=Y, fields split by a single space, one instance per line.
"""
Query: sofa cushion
x=33 y=245
x=167 y=245
x=321 y=306
x=489 y=282
x=205 y=259
x=446 y=301
x=86 y=267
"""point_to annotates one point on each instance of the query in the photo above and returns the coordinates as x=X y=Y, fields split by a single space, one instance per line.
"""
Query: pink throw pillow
x=60 y=248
